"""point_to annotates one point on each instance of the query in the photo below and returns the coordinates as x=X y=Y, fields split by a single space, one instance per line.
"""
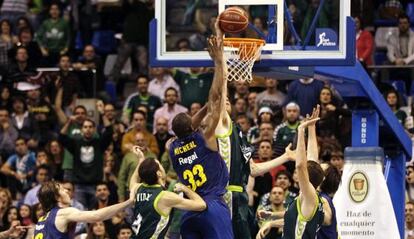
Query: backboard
x=318 y=33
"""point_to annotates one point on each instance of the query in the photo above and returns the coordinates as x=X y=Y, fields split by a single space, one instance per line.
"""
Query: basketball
x=233 y=20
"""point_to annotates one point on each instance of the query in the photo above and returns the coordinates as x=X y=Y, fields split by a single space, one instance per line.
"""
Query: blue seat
x=78 y=42
x=410 y=11
x=110 y=88
x=399 y=86
x=104 y=42
x=380 y=57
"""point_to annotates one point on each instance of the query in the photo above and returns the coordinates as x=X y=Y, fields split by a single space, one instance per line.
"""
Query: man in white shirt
x=161 y=82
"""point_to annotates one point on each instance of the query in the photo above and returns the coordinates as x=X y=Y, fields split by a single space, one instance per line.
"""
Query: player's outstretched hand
x=178 y=188
x=219 y=32
x=215 y=48
x=289 y=153
x=138 y=151
x=310 y=120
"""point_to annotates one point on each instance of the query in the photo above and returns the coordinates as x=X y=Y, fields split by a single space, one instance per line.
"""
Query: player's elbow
x=200 y=206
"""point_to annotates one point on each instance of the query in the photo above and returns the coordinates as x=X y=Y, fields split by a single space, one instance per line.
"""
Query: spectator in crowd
x=409 y=183
x=142 y=97
x=400 y=49
x=20 y=69
x=25 y=213
x=390 y=10
x=240 y=107
x=53 y=36
x=134 y=43
x=332 y=115
x=364 y=43
x=162 y=80
x=124 y=231
x=409 y=220
x=22 y=121
x=265 y=116
x=101 y=199
x=305 y=92
x=195 y=84
x=87 y=152
x=272 y=98
x=79 y=114
x=273 y=211
x=97 y=230
x=88 y=63
x=285 y=133
x=8 y=134
x=170 y=108
x=283 y=179
x=262 y=184
x=7 y=39
x=5 y=201
x=393 y=101
x=161 y=134
x=5 y=98
x=22 y=23
x=68 y=81
x=194 y=108
x=241 y=89
x=363 y=8
x=13 y=9
x=56 y=154
x=33 y=50
x=20 y=167
x=42 y=176
x=12 y=214
x=401 y=45
x=244 y=122
x=252 y=109
x=337 y=159
x=139 y=125
x=43 y=113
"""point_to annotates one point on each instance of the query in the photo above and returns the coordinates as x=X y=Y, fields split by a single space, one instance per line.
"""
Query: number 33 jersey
x=198 y=167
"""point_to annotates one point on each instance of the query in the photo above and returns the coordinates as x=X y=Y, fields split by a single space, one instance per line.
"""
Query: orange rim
x=237 y=42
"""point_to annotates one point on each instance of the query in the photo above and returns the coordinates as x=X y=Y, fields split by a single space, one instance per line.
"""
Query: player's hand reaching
x=137 y=150
x=310 y=120
x=178 y=188
x=289 y=153
x=215 y=49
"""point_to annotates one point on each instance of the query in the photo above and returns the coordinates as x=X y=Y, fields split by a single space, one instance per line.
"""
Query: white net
x=240 y=55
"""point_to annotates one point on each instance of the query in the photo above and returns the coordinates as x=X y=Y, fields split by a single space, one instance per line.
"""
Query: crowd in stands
x=47 y=133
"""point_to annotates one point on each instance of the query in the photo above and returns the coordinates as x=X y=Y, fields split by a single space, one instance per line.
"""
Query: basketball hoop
x=240 y=55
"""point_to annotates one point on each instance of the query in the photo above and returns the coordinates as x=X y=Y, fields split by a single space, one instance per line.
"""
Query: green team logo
x=358 y=187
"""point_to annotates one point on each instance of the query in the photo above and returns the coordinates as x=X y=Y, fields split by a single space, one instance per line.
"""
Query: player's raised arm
x=312 y=152
x=257 y=169
x=135 y=180
x=308 y=195
x=216 y=101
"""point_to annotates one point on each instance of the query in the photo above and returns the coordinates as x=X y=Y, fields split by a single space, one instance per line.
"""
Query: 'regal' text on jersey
x=198 y=167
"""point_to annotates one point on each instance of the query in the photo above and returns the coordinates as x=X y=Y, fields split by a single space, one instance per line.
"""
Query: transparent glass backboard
x=297 y=32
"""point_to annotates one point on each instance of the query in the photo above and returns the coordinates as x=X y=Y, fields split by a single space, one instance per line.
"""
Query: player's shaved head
x=181 y=125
